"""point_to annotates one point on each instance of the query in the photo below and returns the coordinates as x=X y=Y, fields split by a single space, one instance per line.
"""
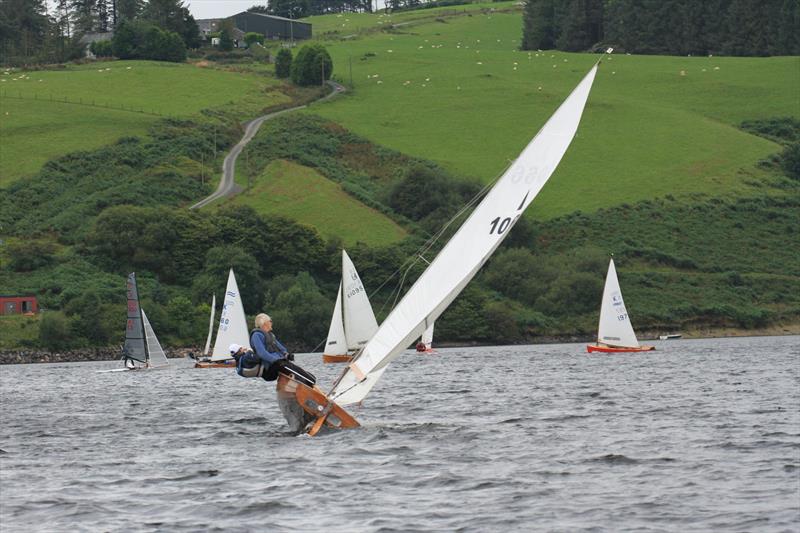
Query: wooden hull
x=308 y=410
x=617 y=349
x=336 y=358
x=219 y=364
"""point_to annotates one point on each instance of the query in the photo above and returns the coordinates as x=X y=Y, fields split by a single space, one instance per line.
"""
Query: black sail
x=135 y=343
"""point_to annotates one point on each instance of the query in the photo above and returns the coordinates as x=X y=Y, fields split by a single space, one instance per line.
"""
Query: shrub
x=283 y=63
x=140 y=40
x=28 y=255
x=54 y=331
x=252 y=37
x=102 y=48
x=790 y=161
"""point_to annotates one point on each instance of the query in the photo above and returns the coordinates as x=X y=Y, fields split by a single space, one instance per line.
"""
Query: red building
x=18 y=305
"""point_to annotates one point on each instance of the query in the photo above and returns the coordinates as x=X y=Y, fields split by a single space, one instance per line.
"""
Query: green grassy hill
x=49 y=113
x=457 y=91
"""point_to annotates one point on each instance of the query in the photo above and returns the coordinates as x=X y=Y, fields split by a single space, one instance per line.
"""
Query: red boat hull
x=336 y=358
x=617 y=349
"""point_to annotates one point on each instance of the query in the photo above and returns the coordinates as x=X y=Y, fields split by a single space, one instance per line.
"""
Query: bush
x=54 y=331
x=252 y=37
x=790 y=161
x=312 y=66
x=28 y=255
x=283 y=63
x=102 y=48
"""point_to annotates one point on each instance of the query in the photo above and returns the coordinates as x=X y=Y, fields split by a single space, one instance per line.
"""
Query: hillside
x=49 y=113
x=699 y=215
x=457 y=91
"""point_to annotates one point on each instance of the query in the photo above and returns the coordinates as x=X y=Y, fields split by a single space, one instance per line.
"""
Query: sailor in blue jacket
x=272 y=355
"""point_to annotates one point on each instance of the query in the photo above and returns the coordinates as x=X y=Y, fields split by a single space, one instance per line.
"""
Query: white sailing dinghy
x=615 y=332
x=142 y=349
x=353 y=322
x=425 y=344
x=232 y=328
x=445 y=277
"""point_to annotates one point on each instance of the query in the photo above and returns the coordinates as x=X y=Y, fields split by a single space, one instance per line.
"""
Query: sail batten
x=232 y=322
x=470 y=247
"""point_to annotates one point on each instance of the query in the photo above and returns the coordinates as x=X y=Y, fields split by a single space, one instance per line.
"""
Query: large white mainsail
x=210 y=324
x=232 y=322
x=469 y=248
x=615 y=328
x=155 y=353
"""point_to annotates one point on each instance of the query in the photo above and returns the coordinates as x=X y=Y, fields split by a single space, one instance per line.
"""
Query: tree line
x=674 y=27
x=33 y=31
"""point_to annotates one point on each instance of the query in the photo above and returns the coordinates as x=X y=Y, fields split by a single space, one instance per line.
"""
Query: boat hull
x=617 y=349
x=309 y=410
x=336 y=358
x=220 y=364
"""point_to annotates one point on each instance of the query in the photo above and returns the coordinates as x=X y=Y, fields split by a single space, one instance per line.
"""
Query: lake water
x=698 y=436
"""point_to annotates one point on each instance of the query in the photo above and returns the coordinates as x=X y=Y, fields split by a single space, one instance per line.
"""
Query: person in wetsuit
x=273 y=356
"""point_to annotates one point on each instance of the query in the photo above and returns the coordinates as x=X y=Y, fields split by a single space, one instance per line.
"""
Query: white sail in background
x=337 y=342
x=615 y=327
x=135 y=346
x=470 y=247
x=427 y=337
x=232 y=322
x=359 y=320
x=155 y=354
x=210 y=324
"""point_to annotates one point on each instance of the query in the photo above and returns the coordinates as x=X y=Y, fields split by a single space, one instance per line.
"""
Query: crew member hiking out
x=268 y=353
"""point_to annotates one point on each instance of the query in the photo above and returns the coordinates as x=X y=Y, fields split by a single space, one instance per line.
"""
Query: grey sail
x=135 y=344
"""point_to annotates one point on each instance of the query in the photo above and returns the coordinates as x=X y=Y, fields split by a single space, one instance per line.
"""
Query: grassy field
x=302 y=194
x=18 y=330
x=457 y=91
x=34 y=128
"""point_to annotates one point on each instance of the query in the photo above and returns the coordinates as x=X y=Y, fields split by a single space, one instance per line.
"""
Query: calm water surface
x=697 y=436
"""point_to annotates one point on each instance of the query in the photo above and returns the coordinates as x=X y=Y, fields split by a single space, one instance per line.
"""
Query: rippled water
x=698 y=436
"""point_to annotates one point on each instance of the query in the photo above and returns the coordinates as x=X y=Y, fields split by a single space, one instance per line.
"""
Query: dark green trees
x=680 y=27
x=312 y=66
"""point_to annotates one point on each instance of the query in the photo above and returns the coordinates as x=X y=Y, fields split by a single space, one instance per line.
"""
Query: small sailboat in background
x=615 y=332
x=425 y=344
x=458 y=262
x=353 y=322
x=670 y=337
x=232 y=329
x=142 y=349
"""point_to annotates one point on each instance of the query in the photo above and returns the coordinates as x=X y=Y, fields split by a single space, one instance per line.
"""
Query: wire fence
x=90 y=102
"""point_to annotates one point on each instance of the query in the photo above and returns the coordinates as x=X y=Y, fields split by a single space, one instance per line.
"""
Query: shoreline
x=35 y=356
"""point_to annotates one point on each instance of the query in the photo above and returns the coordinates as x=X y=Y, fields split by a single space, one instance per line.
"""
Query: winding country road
x=227 y=186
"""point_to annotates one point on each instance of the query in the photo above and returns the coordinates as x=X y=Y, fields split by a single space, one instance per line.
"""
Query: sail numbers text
x=500 y=225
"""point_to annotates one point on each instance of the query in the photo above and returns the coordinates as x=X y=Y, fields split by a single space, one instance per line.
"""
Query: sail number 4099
x=500 y=225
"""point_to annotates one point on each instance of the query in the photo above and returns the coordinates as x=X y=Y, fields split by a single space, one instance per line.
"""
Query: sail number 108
x=500 y=225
